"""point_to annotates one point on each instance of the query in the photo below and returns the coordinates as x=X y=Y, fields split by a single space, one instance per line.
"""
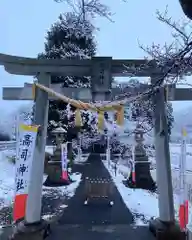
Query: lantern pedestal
x=54 y=171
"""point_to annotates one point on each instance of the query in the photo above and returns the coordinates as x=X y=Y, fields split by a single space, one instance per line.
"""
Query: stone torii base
x=167 y=231
x=25 y=231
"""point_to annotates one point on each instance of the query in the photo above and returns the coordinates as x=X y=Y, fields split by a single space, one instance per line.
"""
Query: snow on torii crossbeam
x=75 y=67
x=84 y=67
x=95 y=67
x=101 y=70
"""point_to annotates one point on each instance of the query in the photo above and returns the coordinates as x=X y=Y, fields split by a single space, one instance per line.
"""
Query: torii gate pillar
x=33 y=227
x=165 y=226
x=33 y=208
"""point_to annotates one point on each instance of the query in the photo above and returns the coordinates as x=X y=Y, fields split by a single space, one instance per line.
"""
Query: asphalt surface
x=99 y=211
x=101 y=232
x=96 y=220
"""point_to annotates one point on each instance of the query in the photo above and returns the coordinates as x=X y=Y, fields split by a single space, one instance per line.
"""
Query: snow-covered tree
x=71 y=37
x=142 y=109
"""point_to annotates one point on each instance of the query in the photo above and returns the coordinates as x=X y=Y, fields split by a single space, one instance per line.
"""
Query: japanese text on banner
x=27 y=139
x=64 y=156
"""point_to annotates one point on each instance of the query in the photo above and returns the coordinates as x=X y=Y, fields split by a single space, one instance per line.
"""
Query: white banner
x=108 y=151
x=24 y=157
x=64 y=160
x=183 y=208
x=79 y=151
x=182 y=170
x=133 y=165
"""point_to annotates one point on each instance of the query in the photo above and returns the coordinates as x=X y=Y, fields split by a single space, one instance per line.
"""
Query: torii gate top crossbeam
x=32 y=66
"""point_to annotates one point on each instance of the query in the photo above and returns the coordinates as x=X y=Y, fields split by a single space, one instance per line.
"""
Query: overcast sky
x=23 y=25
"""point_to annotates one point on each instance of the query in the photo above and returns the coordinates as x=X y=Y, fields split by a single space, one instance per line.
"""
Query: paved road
x=100 y=232
x=77 y=213
x=97 y=221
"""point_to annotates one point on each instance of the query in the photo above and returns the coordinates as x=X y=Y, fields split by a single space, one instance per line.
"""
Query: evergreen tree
x=4 y=136
x=71 y=37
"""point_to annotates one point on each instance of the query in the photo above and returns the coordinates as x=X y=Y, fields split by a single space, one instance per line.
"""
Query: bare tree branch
x=89 y=8
x=177 y=54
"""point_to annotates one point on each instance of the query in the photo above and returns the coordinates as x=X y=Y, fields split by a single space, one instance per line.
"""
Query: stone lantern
x=54 y=169
x=141 y=164
x=60 y=136
x=139 y=138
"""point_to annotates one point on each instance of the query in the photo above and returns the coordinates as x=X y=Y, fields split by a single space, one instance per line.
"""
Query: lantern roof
x=59 y=130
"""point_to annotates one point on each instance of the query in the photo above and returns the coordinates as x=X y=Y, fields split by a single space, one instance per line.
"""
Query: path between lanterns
x=96 y=221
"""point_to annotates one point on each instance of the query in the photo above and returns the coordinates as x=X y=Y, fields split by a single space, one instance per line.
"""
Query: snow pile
x=7 y=185
x=6 y=181
x=83 y=158
x=69 y=190
x=142 y=203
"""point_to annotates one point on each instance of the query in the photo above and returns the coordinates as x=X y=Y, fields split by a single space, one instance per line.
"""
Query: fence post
x=133 y=165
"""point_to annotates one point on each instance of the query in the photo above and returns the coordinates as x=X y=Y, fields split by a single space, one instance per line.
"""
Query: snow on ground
x=7 y=173
x=139 y=201
x=7 y=181
x=7 y=176
x=82 y=159
x=175 y=150
x=65 y=190
x=142 y=203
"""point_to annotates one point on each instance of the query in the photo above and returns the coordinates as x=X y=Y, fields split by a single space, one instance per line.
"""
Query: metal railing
x=7 y=145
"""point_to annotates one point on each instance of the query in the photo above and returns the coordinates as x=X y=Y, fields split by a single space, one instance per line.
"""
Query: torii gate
x=101 y=70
